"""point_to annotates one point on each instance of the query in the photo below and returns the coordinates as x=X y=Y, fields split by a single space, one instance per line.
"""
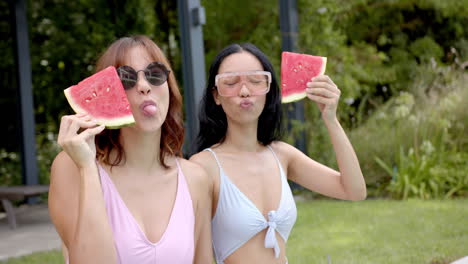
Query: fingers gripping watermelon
x=103 y=97
x=296 y=70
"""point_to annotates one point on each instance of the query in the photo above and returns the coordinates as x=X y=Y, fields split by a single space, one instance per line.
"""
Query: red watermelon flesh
x=103 y=97
x=296 y=71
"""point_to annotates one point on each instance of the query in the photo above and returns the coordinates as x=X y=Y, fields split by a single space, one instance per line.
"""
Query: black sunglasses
x=155 y=73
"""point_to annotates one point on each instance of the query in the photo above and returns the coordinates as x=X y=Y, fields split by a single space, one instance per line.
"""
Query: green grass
x=379 y=231
x=374 y=232
x=49 y=257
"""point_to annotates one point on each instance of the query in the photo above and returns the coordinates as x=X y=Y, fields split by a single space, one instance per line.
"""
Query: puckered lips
x=246 y=104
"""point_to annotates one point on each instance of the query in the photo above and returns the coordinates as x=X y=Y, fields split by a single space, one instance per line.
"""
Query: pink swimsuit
x=176 y=245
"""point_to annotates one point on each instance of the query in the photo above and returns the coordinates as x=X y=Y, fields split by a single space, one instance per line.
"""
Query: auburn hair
x=172 y=131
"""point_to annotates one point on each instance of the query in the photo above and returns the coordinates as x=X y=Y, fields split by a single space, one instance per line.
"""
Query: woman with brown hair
x=126 y=195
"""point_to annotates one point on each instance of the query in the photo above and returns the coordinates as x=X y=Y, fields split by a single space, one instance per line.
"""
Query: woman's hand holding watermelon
x=324 y=92
x=79 y=146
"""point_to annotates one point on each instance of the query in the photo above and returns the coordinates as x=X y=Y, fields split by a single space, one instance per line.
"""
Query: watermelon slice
x=103 y=97
x=296 y=71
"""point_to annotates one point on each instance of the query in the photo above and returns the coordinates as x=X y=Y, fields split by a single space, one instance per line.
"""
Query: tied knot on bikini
x=272 y=225
x=270 y=237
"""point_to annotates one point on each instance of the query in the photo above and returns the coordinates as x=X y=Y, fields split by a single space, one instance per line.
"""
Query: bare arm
x=349 y=182
x=203 y=250
x=352 y=179
x=346 y=184
x=210 y=200
x=201 y=187
x=76 y=203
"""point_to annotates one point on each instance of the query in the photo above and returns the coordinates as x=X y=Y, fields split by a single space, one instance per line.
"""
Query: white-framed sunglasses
x=230 y=83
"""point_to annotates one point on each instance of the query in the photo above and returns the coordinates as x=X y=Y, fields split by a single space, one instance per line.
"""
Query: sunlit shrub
x=419 y=142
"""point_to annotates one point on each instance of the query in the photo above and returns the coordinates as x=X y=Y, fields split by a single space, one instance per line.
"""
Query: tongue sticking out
x=149 y=110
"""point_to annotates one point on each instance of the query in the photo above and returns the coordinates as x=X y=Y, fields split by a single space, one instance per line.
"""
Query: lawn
x=374 y=231
x=377 y=231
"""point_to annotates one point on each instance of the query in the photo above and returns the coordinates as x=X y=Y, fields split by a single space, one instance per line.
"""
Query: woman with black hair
x=253 y=208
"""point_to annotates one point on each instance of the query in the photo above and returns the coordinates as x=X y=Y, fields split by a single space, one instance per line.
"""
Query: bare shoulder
x=203 y=158
x=281 y=146
x=206 y=160
x=194 y=173
x=61 y=159
x=284 y=150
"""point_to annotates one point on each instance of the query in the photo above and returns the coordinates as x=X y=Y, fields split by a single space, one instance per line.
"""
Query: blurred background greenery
x=401 y=66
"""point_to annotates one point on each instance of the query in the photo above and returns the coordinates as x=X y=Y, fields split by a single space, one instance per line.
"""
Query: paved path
x=35 y=233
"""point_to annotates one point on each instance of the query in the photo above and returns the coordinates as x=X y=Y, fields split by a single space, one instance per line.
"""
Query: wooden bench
x=8 y=194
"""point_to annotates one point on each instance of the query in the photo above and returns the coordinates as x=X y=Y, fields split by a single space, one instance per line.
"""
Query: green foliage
x=241 y=21
x=417 y=142
x=47 y=149
x=379 y=51
x=376 y=49
x=426 y=48
x=8 y=81
x=429 y=174
x=10 y=171
x=66 y=38
x=66 y=44
x=46 y=152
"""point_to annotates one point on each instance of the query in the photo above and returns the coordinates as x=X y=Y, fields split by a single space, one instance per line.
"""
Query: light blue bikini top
x=237 y=219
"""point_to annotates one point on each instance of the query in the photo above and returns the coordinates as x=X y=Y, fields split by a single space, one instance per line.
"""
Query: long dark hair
x=213 y=122
x=172 y=134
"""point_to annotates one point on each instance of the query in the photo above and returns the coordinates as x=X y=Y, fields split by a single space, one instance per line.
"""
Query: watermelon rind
x=298 y=96
x=293 y=97
x=110 y=123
